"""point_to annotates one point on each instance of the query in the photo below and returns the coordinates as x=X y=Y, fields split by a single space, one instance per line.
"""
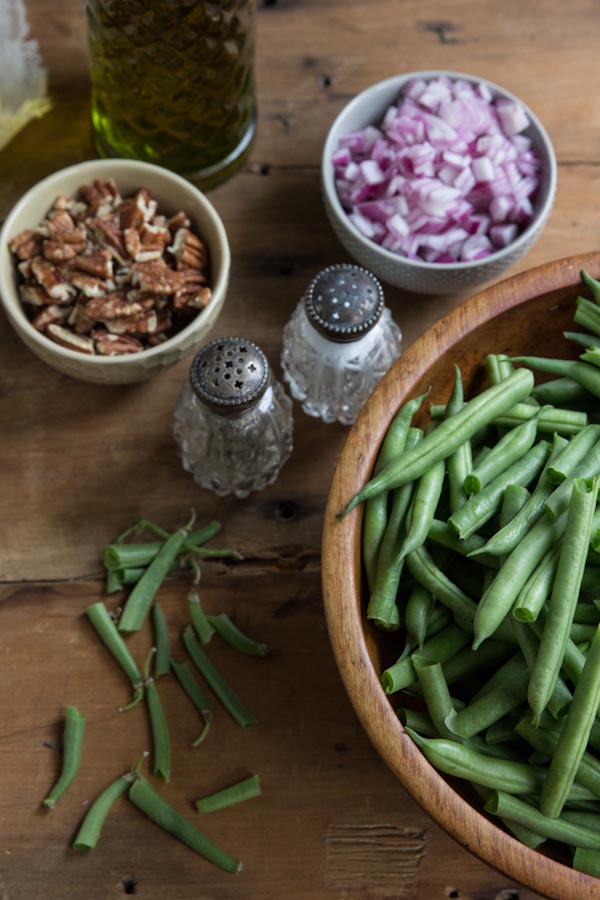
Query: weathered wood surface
x=81 y=461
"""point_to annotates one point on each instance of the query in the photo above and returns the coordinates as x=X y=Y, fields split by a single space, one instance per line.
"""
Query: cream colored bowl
x=172 y=193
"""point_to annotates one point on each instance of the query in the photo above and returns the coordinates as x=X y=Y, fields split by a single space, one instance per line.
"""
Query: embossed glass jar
x=233 y=421
x=173 y=83
x=339 y=342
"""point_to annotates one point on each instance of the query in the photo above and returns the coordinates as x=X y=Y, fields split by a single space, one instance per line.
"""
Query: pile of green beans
x=146 y=564
x=480 y=544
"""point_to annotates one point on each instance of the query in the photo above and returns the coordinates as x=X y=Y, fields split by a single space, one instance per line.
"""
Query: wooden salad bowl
x=522 y=315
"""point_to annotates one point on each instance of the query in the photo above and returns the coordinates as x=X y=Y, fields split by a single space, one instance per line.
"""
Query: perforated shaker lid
x=229 y=374
x=344 y=301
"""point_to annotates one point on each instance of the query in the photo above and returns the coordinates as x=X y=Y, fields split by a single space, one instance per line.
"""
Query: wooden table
x=79 y=462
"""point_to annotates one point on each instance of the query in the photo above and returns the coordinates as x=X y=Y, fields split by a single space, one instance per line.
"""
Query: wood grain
x=80 y=461
x=513 y=317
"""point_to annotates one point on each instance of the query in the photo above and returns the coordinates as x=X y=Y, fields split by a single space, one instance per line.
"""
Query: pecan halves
x=35 y=295
x=51 y=315
x=99 y=264
x=57 y=251
x=88 y=284
x=155 y=277
x=52 y=280
x=116 y=306
x=188 y=250
x=108 y=344
x=27 y=244
x=69 y=339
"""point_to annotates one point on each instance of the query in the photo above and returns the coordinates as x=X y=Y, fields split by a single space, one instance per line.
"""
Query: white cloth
x=22 y=75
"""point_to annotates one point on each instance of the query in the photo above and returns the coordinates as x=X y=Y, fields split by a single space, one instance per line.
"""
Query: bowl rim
x=8 y=285
x=397 y=81
x=342 y=603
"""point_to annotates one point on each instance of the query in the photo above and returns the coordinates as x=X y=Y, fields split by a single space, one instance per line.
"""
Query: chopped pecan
x=27 y=244
x=51 y=315
x=79 y=319
x=108 y=344
x=188 y=250
x=108 y=234
x=130 y=214
x=155 y=277
x=67 y=338
x=147 y=205
x=99 y=264
x=24 y=268
x=178 y=221
x=192 y=299
x=35 y=295
x=59 y=221
x=149 y=322
x=52 y=280
x=57 y=251
x=116 y=306
x=132 y=240
x=88 y=284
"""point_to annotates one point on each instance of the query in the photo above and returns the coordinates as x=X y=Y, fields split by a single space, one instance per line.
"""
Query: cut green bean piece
x=450 y=434
x=141 y=598
x=438 y=649
x=440 y=533
x=161 y=642
x=472 y=662
x=545 y=740
x=125 y=556
x=72 y=747
x=592 y=356
x=576 y=451
x=429 y=576
x=89 y=831
x=100 y=618
x=230 y=633
x=500 y=596
x=565 y=594
x=537 y=588
x=418 y=721
x=481 y=507
x=114 y=580
x=551 y=420
x=418 y=610
x=508 y=807
x=510 y=448
x=435 y=691
x=587 y=376
x=200 y=621
x=184 y=676
x=592 y=284
x=574 y=735
x=143 y=795
x=587 y=861
x=583 y=339
x=587 y=314
x=236 y=793
x=559 y=390
x=160 y=732
x=528 y=641
x=375 y=515
x=422 y=509
x=492 y=705
x=215 y=680
x=459 y=463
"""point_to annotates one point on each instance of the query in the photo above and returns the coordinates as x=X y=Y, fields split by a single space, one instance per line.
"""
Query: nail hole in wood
x=130 y=885
x=286 y=510
x=453 y=894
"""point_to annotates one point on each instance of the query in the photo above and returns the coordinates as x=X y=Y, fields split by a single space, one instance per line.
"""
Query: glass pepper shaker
x=233 y=421
x=339 y=342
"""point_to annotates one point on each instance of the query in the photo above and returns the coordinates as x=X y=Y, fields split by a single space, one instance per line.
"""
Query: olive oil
x=173 y=83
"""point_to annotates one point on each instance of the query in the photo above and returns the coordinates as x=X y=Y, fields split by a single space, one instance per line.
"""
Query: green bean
x=589 y=467
x=469 y=662
x=418 y=721
x=584 y=340
x=435 y=691
x=107 y=631
x=580 y=633
x=508 y=807
x=509 y=449
x=592 y=284
x=439 y=618
x=143 y=795
x=438 y=649
x=587 y=861
x=551 y=419
x=449 y=436
x=574 y=735
x=493 y=368
x=89 y=831
x=588 y=315
x=456 y=759
x=502 y=731
x=184 y=676
x=516 y=569
x=426 y=573
x=72 y=747
x=459 y=463
x=514 y=499
x=158 y=724
x=236 y=793
x=139 y=601
x=559 y=390
x=481 y=507
x=422 y=509
x=114 y=580
x=235 y=638
x=577 y=450
x=586 y=613
x=493 y=704
x=162 y=643
x=587 y=376
x=565 y=593
x=215 y=680
x=537 y=588
x=200 y=621
x=418 y=610
x=382 y=608
x=375 y=515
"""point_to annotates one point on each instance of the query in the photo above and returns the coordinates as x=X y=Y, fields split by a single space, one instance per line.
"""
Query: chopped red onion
x=448 y=176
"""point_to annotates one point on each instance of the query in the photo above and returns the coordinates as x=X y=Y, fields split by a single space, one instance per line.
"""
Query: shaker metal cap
x=229 y=374
x=344 y=301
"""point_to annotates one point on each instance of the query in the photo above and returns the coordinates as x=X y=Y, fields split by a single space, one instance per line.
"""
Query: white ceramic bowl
x=368 y=108
x=172 y=193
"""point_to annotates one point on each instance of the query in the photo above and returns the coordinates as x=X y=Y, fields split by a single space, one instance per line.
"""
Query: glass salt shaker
x=339 y=342
x=233 y=421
